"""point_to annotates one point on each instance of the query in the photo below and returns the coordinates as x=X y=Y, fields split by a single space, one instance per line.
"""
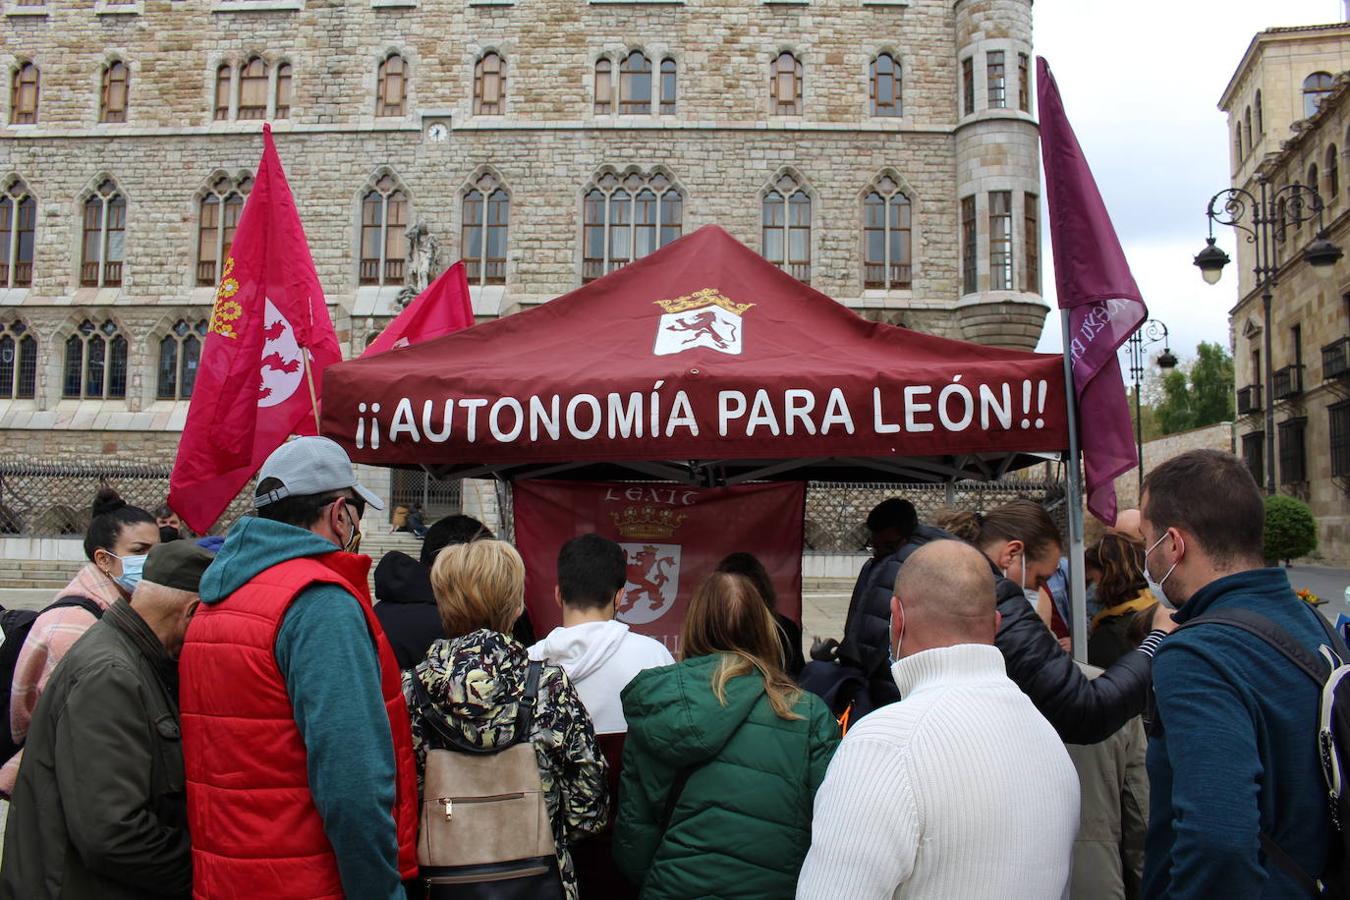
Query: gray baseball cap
x=308 y=466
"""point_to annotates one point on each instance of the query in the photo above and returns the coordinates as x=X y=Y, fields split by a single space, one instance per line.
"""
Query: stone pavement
x=1327 y=583
x=823 y=615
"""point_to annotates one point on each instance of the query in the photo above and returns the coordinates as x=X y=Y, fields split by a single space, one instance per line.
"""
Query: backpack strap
x=85 y=603
x=1311 y=665
x=529 y=701
x=1313 y=887
x=449 y=739
x=1258 y=625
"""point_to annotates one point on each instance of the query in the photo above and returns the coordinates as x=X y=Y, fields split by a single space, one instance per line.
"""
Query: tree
x=1199 y=392
x=1175 y=412
x=1291 y=530
x=1148 y=416
x=1212 y=385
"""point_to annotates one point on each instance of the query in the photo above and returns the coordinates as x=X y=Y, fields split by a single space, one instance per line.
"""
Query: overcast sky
x=1141 y=85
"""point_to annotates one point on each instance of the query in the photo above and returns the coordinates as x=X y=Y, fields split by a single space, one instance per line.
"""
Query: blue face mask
x=132 y=566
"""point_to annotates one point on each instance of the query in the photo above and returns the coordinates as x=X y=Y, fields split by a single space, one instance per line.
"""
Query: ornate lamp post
x=1149 y=332
x=1262 y=219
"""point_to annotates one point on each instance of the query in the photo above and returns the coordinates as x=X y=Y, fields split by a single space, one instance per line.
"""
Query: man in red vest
x=298 y=753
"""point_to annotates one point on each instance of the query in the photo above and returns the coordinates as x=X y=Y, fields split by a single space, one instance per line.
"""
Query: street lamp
x=1262 y=219
x=1149 y=332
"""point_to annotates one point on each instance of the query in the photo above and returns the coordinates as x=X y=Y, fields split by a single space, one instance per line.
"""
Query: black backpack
x=1330 y=670
x=15 y=624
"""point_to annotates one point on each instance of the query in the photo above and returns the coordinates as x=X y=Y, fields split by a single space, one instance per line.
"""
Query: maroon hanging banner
x=674 y=536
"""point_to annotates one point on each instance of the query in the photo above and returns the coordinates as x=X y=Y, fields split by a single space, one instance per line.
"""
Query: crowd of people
x=239 y=718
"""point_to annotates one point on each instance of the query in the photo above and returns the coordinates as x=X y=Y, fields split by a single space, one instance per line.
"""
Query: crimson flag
x=1093 y=281
x=252 y=389
x=673 y=536
x=442 y=308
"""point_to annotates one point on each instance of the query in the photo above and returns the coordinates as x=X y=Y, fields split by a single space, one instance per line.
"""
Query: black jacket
x=790 y=637
x=1082 y=710
x=407 y=609
x=100 y=809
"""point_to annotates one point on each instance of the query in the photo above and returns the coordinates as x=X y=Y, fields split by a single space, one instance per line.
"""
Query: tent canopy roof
x=701 y=363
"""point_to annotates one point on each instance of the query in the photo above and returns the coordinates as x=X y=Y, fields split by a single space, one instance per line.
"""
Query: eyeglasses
x=356 y=503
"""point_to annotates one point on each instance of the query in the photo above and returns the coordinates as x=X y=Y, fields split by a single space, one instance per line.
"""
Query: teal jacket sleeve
x=332 y=671
x=1216 y=814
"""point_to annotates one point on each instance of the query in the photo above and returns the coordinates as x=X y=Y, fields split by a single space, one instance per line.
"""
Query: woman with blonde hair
x=471 y=685
x=723 y=758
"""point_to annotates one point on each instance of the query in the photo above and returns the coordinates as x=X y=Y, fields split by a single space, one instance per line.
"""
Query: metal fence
x=46 y=501
x=438 y=497
x=55 y=500
x=836 y=512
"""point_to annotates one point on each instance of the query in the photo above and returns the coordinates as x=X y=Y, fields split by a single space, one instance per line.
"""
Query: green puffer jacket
x=742 y=824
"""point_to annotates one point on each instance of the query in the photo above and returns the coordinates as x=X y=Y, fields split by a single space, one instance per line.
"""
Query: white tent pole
x=1077 y=574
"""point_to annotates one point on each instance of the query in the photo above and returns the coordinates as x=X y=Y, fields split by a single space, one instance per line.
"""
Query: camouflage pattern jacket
x=475 y=683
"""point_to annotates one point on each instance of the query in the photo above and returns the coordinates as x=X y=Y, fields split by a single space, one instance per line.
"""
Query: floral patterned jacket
x=475 y=683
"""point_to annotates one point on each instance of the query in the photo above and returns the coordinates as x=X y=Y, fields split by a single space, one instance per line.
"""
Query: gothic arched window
x=391 y=94
x=384 y=218
x=112 y=105
x=18 y=224
x=179 y=353
x=487 y=213
x=489 y=85
x=785 y=85
x=104 y=229
x=787 y=228
x=218 y=217
x=888 y=246
x=627 y=217
x=885 y=89
x=18 y=362
x=96 y=362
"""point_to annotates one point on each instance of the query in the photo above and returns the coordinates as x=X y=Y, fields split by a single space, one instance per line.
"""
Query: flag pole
x=1077 y=573
x=309 y=380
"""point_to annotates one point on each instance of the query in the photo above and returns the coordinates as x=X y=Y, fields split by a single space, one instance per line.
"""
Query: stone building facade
x=1296 y=78
x=886 y=150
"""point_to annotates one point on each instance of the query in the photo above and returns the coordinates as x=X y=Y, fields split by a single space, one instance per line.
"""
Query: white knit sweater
x=961 y=790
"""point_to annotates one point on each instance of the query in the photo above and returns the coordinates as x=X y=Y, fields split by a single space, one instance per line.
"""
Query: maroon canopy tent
x=705 y=364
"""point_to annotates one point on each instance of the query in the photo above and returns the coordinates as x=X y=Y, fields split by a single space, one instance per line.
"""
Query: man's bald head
x=944 y=596
x=1128 y=523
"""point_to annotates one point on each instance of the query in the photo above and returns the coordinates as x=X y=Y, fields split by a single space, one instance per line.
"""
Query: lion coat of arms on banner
x=705 y=318
x=653 y=562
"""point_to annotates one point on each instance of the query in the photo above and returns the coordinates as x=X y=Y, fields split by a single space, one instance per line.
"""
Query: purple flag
x=1094 y=283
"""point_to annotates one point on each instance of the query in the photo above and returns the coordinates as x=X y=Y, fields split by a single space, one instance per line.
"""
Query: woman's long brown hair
x=1121 y=562
x=728 y=617
x=1018 y=520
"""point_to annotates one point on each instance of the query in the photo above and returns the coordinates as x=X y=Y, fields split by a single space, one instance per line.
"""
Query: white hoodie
x=601 y=658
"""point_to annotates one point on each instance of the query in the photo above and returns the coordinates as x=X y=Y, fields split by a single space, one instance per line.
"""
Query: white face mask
x=893 y=652
x=1157 y=586
x=1032 y=594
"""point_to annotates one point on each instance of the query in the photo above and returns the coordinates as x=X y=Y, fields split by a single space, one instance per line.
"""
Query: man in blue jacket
x=1233 y=755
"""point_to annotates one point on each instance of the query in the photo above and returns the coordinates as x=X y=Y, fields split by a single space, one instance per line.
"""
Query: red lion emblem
x=648 y=572
x=703 y=323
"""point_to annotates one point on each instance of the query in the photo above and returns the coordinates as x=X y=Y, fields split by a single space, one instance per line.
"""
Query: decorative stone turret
x=998 y=175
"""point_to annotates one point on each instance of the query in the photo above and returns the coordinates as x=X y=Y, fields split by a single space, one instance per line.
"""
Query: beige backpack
x=485 y=829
